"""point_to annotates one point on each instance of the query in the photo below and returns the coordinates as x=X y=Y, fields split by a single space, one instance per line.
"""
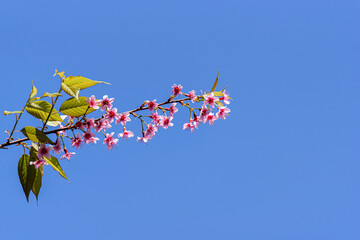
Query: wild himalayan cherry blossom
x=192 y=95
x=44 y=151
x=62 y=132
x=150 y=131
x=39 y=162
x=210 y=118
x=79 y=125
x=89 y=137
x=143 y=139
x=101 y=124
x=188 y=126
x=152 y=105
x=111 y=114
x=210 y=99
x=166 y=122
x=67 y=154
x=110 y=141
x=93 y=103
x=225 y=98
x=195 y=121
x=123 y=118
x=203 y=113
x=89 y=123
x=223 y=111
x=155 y=118
x=57 y=147
x=177 y=89
x=172 y=109
x=76 y=141
x=106 y=102
x=126 y=134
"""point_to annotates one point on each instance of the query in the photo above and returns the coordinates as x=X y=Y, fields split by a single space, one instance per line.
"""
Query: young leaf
x=53 y=161
x=71 y=90
x=41 y=110
x=60 y=74
x=36 y=135
x=33 y=91
x=37 y=182
x=218 y=94
x=12 y=112
x=81 y=82
x=215 y=83
x=27 y=174
x=75 y=108
x=51 y=95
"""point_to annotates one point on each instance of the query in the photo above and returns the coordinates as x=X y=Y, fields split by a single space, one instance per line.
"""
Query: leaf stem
x=50 y=113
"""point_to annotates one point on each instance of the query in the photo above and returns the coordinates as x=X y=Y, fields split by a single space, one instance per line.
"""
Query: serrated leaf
x=76 y=108
x=10 y=112
x=36 y=135
x=81 y=82
x=37 y=182
x=71 y=90
x=54 y=163
x=33 y=91
x=27 y=174
x=41 y=110
x=215 y=83
x=51 y=95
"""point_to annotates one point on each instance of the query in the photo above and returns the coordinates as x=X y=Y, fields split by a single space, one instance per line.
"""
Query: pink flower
x=101 y=124
x=79 y=125
x=192 y=95
x=93 y=103
x=177 y=89
x=126 y=134
x=210 y=99
x=57 y=147
x=111 y=114
x=155 y=118
x=166 y=122
x=89 y=123
x=67 y=155
x=223 y=111
x=150 y=131
x=62 y=132
x=225 y=98
x=142 y=140
x=210 y=118
x=110 y=141
x=123 y=118
x=172 y=109
x=44 y=151
x=195 y=121
x=152 y=105
x=76 y=141
x=89 y=137
x=188 y=126
x=106 y=102
x=39 y=162
x=203 y=113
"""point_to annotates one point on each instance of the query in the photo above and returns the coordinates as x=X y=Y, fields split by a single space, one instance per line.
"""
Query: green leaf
x=37 y=182
x=33 y=91
x=51 y=95
x=215 y=83
x=53 y=161
x=81 y=82
x=218 y=94
x=60 y=74
x=10 y=112
x=71 y=90
x=36 y=135
x=75 y=108
x=41 y=110
x=27 y=174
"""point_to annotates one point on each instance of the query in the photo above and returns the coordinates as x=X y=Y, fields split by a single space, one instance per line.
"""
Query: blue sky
x=285 y=165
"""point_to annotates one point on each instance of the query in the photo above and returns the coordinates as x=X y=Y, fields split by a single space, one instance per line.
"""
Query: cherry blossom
x=203 y=113
x=89 y=123
x=111 y=114
x=126 y=134
x=123 y=118
x=223 y=111
x=210 y=99
x=110 y=141
x=225 y=98
x=166 y=122
x=172 y=109
x=192 y=95
x=152 y=105
x=89 y=137
x=79 y=125
x=155 y=118
x=62 y=132
x=101 y=124
x=195 y=121
x=57 y=147
x=67 y=154
x=106 y=102
x=150 y=131
x=177 y=89
x=93 y=102
x=188 y=126
x=76 y=142
x=38 y=163
x=143 y=139
x=210 y=118
x=44 y=151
